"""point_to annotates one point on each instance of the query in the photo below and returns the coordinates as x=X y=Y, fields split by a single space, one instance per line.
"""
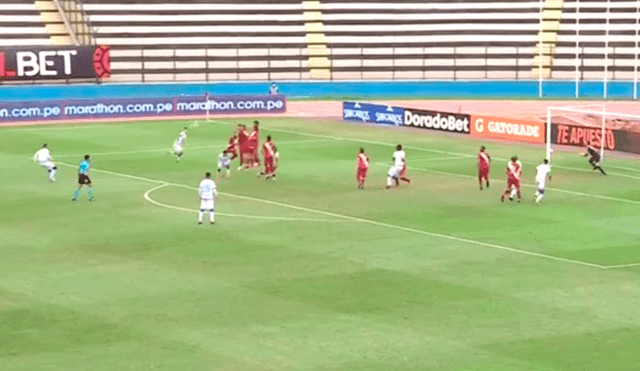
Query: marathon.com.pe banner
x=140 y=107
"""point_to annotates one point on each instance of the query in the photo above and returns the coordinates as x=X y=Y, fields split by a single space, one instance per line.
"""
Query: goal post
x=587 y=125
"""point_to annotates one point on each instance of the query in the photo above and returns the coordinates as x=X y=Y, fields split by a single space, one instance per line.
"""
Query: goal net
x=587 y=125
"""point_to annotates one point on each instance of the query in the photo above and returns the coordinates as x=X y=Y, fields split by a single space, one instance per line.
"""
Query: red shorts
x=513 y=182
x=362 y=173
x=403 y=172
x=268 y=165
x=483 y=173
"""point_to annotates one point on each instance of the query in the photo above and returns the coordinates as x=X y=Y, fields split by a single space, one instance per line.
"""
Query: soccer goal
x=587 y=125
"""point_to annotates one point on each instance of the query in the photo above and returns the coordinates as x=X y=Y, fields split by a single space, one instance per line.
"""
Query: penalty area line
x=630 y=265
x=442 y=158
x=523 y=184
x=367 y=221
x=187 y=148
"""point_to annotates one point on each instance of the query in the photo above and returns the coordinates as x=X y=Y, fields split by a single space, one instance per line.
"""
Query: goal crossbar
x=602 y=112
x=592 y=112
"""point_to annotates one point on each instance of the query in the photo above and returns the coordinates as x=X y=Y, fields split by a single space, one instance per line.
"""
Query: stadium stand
x=434 y=39
x=195 y=40
x=590 y=17
x=362 y=39
x=21 y=24
x=202 y=40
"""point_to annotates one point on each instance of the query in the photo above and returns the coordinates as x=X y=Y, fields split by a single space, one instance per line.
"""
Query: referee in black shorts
x=83 y=179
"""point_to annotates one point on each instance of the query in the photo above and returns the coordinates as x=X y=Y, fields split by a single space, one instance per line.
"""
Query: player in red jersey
x=514 y=172
x=363 y=166
x=484 y=162
x=232 y=147
x=242 y=144
x=254 y=143
x=270 y=153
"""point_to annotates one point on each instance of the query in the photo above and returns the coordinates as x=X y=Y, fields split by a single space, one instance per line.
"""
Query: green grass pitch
x=307 y=273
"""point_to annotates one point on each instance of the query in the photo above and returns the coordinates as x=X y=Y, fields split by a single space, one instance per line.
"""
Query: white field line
x=441 y=158
x=590 y=171
x=168 y=149
x=187 y=148
x=630 y=265
x=368 y=221
x=418 y=148
x=148 y=198
x=523 y=184
x=77 y=126
x=624 y=168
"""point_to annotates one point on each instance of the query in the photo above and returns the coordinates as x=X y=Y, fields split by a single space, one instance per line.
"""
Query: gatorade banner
x=501 y=128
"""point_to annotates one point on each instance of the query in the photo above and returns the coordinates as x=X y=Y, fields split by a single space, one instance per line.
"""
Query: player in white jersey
x=208 y=192
x=544 y=172
x=43 y=157
x=224 y=162
x=392 y=176
x=400 y=162
x=179 y=144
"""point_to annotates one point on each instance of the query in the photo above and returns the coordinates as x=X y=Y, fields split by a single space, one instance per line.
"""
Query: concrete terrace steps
x=444 y=39
x=22 y=25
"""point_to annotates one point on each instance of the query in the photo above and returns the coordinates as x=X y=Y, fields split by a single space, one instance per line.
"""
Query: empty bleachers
x=202 y=40
x=590 y=18
x=437 y=39
x=366 y=39
x=21 y=24
x=199 y=40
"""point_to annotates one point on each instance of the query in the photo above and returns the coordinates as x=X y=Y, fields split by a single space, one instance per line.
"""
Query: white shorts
x=540 y=184
x=177 y=148
x=48 y=165
x=393 y=172
x=206 y=204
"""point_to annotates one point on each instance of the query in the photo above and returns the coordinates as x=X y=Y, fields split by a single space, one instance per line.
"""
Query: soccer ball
x=551 y=151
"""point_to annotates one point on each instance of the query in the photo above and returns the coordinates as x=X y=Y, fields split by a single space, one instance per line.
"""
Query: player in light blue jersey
x=83 y=178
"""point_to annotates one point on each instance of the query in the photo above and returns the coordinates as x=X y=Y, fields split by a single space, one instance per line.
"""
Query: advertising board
x=132 y=107
x=435 y=120
x=582 y=136
x=506 y=129
x=373 y=113
x=54 y=62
